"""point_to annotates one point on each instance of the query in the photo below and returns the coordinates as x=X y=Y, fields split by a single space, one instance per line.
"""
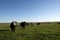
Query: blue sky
x=29 y=10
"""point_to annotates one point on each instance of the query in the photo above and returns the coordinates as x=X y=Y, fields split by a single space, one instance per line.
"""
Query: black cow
x=23 y=24
x=13 y=25
x=58 y=22
x=38 y=23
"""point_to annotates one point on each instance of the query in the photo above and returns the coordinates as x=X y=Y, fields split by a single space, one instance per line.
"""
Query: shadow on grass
x=4 y=30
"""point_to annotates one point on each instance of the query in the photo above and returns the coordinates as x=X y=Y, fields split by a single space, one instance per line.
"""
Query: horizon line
x=31 y=21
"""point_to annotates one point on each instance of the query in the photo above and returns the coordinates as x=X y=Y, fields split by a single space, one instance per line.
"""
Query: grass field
x=44 y=31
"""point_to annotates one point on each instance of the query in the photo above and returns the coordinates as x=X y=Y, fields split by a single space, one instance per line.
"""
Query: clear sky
x=29 y=10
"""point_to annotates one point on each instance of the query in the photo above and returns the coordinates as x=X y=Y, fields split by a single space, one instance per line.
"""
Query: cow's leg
x=23 y=26
x=13 y=29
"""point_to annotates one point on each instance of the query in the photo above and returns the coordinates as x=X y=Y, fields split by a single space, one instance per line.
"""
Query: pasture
x=44 y=31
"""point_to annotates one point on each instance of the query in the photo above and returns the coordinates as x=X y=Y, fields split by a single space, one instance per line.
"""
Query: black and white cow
x=13 y=25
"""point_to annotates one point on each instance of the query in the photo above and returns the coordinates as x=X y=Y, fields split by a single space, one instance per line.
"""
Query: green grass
x=35 y=32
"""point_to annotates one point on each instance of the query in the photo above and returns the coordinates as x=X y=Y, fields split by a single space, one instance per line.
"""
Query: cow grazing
x=13 y=25
x=38 y=23
x=58 y=23
x=23 y=24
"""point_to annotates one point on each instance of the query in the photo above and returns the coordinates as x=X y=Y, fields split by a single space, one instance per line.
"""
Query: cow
x=58 y=22
x=23 y=24
x=13 y=25
x=38 y=23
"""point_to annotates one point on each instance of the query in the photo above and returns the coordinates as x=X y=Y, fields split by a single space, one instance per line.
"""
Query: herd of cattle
x=22 y=24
